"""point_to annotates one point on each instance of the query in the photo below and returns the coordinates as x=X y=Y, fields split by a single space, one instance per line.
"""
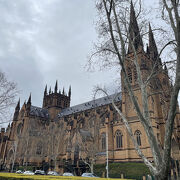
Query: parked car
x=28 y=173
x=53 y=173
x=39 y=172
x=68 y=174
x=19 y=171
x=89 y=175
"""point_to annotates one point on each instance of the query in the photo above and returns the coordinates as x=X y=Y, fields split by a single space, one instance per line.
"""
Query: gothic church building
x=63 y=137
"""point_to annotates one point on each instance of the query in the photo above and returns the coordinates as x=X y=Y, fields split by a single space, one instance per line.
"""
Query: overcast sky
x=42 y=41
x=47 y=40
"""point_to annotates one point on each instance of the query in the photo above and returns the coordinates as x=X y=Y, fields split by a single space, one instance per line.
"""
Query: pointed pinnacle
x=56 y=87
x=152 y=45
x=45 y=90
x=29 y=100
x=165 y=68
x=63 y=91
x=69 y=94
x=50 y=90
x=18 y=104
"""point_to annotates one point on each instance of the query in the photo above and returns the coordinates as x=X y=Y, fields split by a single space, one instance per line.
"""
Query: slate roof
x=90 y=105
x=40 y=112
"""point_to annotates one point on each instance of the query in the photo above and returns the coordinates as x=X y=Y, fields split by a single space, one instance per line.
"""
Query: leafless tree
x=56 y=139
x=86 y=140
x=88 y=150
x=8 y=92
x=14 y=149
x=116 y=40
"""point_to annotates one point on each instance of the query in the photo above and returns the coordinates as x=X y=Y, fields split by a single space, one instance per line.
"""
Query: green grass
x=14 y=176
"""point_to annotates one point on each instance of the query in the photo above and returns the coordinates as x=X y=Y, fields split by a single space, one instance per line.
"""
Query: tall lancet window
x=119 y=139
x=103 y=141
x=129 y=73
x=138 y=137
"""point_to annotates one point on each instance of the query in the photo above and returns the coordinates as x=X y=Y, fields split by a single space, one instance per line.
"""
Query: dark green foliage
x=129 y=170
x=25 y=168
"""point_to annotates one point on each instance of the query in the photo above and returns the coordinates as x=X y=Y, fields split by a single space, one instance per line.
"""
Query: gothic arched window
x=103 y=141
x=119 y=142
x=129 y=73
x=138 y=137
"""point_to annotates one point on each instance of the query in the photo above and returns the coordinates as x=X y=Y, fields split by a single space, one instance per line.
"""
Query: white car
x=39 y=172
x=28 y=173
x=68 y=174
x=53 y=173
x=89 y=175
x=19 y=172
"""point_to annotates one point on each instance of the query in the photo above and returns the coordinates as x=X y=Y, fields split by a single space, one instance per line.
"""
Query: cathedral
x=72 y=138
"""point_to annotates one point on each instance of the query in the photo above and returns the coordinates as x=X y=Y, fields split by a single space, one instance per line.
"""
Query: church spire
x=56 y=87
x=134 y=33
x=152 y=45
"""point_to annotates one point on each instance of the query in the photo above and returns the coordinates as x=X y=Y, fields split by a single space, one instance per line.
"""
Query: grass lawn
x=14 y=176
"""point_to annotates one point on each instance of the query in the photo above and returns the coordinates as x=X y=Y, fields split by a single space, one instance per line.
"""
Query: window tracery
x=119 y=140
x=129 y=72
x=138 y=137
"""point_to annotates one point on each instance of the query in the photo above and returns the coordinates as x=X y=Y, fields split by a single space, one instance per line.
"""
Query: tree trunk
x=164 y=175
x=92 y=168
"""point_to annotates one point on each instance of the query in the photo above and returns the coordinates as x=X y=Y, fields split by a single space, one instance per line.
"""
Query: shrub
x=130 y=170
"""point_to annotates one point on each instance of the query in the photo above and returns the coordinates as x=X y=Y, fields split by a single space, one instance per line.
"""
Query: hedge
x=130 y=170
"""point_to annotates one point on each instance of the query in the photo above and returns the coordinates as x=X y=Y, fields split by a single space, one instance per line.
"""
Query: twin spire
x=136 y=39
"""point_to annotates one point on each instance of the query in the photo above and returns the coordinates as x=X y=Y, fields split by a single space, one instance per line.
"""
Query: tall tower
x=146 y=61
x=56 y=101
x=158 y=88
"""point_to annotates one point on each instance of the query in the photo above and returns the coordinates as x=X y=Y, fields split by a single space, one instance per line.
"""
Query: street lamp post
x=107 y=158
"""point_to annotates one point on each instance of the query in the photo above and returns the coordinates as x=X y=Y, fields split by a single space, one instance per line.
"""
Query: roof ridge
x=90 y=105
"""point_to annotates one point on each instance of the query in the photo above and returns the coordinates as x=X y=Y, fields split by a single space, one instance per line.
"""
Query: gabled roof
x=40 y=112
x=90 y=105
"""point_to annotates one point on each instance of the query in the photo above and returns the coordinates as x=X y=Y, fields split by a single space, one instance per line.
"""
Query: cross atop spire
x=134 y=33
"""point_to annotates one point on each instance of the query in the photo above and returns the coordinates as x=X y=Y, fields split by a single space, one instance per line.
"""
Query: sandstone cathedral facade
x=66 y=138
